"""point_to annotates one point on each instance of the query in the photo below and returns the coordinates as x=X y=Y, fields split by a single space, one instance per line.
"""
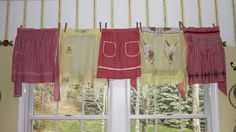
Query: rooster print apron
x=163 y=57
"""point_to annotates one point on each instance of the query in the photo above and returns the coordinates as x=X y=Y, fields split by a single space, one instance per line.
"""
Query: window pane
x=76 y=99
x=168 y=100
x=148 y=100
x=195 y=100
x=44 y=103
x=161 y=125
x=68 y=126
x=165 y=99
x=195 y=125
x=85 y=99
x=95 y=100
x=143 y=101
x=43 y=126
x=71 y=100
x=168 y=125
x=142 y=125
x=94 y=126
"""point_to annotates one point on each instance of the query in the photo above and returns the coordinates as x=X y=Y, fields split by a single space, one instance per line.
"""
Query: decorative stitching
x=119 y=69
x=207 y=74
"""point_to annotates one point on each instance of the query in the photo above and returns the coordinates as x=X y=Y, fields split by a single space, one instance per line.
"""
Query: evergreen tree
x=168 y=101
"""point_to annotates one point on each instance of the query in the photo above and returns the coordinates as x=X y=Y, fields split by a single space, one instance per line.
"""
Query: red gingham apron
x=206 y=57
x=35 y=59
x=119 y=55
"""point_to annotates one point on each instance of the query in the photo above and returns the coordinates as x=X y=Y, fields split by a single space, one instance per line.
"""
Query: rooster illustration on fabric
x=148 y=52
x=170 y=51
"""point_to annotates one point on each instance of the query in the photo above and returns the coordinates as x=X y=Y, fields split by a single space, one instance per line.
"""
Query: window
x=160 y=108
x=83 y=108
x=94 y=108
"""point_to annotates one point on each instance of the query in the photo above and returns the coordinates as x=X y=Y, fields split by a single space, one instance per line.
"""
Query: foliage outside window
x=86 y=108
x=161 y=109
x=77 y=102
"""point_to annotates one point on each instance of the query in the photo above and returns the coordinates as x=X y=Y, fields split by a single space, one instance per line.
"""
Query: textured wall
x=9 y=104
x=227 y=112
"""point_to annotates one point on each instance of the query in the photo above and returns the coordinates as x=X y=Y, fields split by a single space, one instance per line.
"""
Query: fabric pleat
x=35 y=59
x=206 y=56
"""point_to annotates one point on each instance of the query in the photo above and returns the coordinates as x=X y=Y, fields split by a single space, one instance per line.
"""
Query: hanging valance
x=156 y=55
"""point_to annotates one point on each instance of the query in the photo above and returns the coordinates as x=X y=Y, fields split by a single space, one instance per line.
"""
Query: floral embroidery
x=214 y=73
x=148 y=52
x=169 y=51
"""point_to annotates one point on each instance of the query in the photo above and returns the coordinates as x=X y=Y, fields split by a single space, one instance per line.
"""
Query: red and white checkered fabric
x=206 y=57
x=35 y=59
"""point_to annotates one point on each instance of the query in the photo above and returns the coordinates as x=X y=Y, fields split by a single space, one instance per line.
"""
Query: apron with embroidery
x=163 y=58
x=78 y=58
x=206 y=56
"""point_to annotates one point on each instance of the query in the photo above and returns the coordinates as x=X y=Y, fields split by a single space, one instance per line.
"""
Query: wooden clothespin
x=181 y=25
x=100 y=26
x=65 y=27
x=213 y=25
x=224 y=43
x=105 y=25
x=140 y=26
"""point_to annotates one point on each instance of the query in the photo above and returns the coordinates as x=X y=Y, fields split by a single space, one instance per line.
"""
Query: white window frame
x=211 y=108
x=26 y=116
x=119 y=113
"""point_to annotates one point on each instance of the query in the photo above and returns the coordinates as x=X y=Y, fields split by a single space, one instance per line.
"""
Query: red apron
x=206 y=57
x=35 y=59
x=119 y=55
